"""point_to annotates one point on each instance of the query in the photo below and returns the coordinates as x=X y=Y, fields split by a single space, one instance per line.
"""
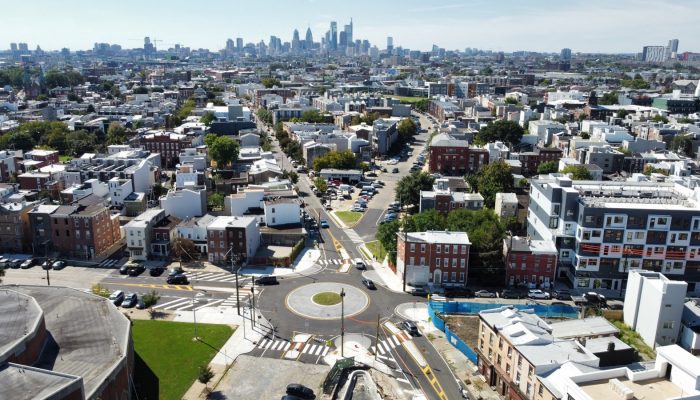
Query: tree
x=548 y=167
x=409 y=187
x=158 y=190
x=430 y=220
x=336 y=159
x=208 y=118
x=311 y=116
x=264 y=115
x=483 y=226
x=184 y=249
x=224 y=151
x=585 y=135
x=216 y=200
x=321 y=184
x=80 y=142
x=205 y=375
x=150 y=299
x=494 y=178
x=90 y=109
x=116 y=134
x=637 y=83
x=21 y=141
x=291 y=175
x=407 y=129
x=269 y=82
x=511 y=100
x=608 y=98
x=140 y=90
x=660 y=118
x=578 y=172
x=386 y=234
x=682 y=144
x=99 y=290
x=501 y=130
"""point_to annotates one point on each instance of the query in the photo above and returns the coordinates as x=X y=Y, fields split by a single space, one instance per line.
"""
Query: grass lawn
x=376 y=249
x=349 y=217
x=64 y=158
x=406 y=99
x=170 y=357
x=633 y=339
x=326 y=298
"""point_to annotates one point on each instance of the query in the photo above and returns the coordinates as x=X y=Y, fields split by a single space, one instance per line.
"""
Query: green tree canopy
x=578 y=172
x=660 y=118
x=269 y=82
x=548 y=167
x=386 y=234
x=636 y=83
x=224 y=151
x=321 y=184
x=80 y=142
x=409 y=187
x=608 y=98
x=208 y=118
x=682 y=144
x=494 y=178
x=55 y=78
x=116 y=134
x=336 y=159
x=407 y=128
x=501 y=130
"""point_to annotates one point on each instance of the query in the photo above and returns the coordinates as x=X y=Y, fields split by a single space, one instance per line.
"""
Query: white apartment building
x=506 y=205
x=185 y=203
x=137 y=233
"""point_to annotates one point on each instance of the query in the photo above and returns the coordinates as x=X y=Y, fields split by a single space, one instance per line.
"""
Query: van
x=359 y=264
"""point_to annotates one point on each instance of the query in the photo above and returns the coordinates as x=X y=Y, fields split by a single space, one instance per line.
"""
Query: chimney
x=611 y=346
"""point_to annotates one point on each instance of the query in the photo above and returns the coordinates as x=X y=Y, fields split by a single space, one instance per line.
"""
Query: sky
x=605 y=26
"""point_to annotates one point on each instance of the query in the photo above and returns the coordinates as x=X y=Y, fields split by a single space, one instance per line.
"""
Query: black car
x=130 y=300
x=46 y=264
x=369 y=284
x=14 y=264
x=124 y=269
x=175 y=271
x=419 y=291
x=267 y=280
x=299 y=390
x=177 y=280
x=511 y=294
x=458 y=292
x=28 y=263
x=157 y=271
x=136 y=270
x=561 y=294
x=395 y=171
x=117 y=297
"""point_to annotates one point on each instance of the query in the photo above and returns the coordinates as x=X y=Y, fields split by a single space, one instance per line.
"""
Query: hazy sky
x=538 y=25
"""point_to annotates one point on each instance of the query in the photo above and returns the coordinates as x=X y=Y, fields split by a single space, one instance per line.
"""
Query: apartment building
x=604 y=229
x=506 y=205
x=14 y=226
x=139 y=233
x=9 y=163
x=450 y=156
x=529 y=263
x=531 y=160
x=435 y=258
x=444 y=199
x=238 y=234
x=168 y=144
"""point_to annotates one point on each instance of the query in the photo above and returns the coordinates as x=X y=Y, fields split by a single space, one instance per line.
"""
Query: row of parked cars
x=16 y=263
x=125 y=300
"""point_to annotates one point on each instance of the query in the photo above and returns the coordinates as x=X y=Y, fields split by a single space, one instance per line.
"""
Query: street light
x=234 y=257
x=342 y=322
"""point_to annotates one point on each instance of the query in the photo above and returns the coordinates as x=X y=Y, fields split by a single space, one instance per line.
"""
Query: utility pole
x=376 y=340
x=342 y=322
x=252 y=305
x=233 y=266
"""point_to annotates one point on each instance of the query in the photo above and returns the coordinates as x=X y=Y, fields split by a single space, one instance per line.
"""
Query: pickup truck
x=590 y=299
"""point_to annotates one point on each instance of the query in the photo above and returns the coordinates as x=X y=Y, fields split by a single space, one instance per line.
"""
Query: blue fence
x=454 y=307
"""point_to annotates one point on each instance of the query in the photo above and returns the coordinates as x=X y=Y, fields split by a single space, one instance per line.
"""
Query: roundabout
x=322 y=300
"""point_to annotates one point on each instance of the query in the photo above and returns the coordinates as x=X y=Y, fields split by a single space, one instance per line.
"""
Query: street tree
x=682 y=144
x=494 y=178
x=224 y=151
x=578 y=172
x=548 y=167
x=505 y=131
x=270 y=82
x=116 y=134
x=184 y=249
x=386 y=234
x=407 y=129
x=215 y=200
x=430 y=220
x=207 y=118
x=336 y=159
x=150 y=299
x=409 y=187
x=321 y=184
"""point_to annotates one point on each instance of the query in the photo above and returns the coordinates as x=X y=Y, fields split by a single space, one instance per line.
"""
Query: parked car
x=324 y=224
x=176 y=271
x=299 y=390
x=267 y=280
x=538 y=294
x=28 y=263
x=136 y=270
x=369 y=284
x=46 y=264
x=458 y=292
x=484 y=293
x=177 y=280
x=157 y=271
x=561 y=294
x=15 y=263
x=130 y=300
x=419 y=291
x=372 y=174
x=511 y=294
x=59 y=264
x=116 y=297
x=359 y=264
x=395 y=171
x=411 y=327
x=124 y=269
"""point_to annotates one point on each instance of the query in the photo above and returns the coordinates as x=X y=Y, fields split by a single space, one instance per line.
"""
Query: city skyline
x=455 y=26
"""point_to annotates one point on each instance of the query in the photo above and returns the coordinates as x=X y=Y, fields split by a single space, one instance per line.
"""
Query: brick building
x=14 y=226
x=168 y=144
x=532 y=263
x=85 y=228
x=450 y=156
x=436 y=258
x=531 y=160
x=444 y=198
x=240 y=233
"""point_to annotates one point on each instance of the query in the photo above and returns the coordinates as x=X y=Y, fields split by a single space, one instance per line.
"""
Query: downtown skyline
x=476 y=24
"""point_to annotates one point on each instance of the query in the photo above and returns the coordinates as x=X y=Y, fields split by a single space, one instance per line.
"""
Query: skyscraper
x=389 y=44
x=672 y=49
x=565 y=54
x=229 y=46
x=239 y=44
x=348 y=32
x=342 y=40
x=654 y=53
x=333 y=39
x=309 y=40
x=296 y=43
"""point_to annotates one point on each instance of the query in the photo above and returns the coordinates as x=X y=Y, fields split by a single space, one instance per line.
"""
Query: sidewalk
x=383 y=275
x=305 y=261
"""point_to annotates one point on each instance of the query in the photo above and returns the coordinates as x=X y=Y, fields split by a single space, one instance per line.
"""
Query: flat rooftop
x=22 y=382
x=19 y=315
x=651 y=389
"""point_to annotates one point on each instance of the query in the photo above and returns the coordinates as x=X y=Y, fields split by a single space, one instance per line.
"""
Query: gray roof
x=600 y=345
x=442 y=237
x=445 y=140
x=19 y=316
x=588 y=327
x=23 y=382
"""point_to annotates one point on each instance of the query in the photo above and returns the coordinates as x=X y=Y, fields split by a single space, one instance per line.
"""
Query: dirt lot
x=466 y=327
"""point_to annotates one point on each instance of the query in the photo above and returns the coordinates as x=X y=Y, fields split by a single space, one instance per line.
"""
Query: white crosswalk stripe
x=352 y=235
x=210 y=304
x=309 y=349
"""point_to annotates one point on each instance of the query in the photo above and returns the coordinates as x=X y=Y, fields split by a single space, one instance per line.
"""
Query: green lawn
x=634 y=340
x=64 y=158
x=349 y=217
x=170 y=357
x=376 y=249
x=326 y=298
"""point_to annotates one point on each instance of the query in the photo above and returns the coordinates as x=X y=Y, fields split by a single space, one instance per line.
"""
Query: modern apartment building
x=436 y=258
x=604 y=229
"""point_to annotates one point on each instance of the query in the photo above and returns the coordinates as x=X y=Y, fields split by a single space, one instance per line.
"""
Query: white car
x=537 y=294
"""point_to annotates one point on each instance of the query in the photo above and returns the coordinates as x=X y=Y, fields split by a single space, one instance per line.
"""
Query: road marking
x=210 y=304
x=395 y=340
x=325 y=351
x=309 y=349
x=168 y=303
x=178 y=304
x=403 y=380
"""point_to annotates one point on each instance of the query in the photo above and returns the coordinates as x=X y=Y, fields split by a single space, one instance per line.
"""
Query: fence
x=453 y=307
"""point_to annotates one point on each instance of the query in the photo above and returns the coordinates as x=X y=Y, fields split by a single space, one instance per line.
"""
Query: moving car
x=324 y=224
x=299 y=390
x=124 y=269
x=176 y=271
x=411 y=327
x=57 y=265
x=116 y=297
x=28 y=263
x=369 y=284
x=484 y=293
x=538 y=294
x=177 y=280
x=267 y=280
x=130 y=300
x=359 y=264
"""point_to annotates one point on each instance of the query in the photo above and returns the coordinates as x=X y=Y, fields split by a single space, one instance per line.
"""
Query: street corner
x=414 y=311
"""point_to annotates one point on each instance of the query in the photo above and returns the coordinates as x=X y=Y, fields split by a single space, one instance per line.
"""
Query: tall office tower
x=389 y=44
x=239 y=44
x=24 y=48
x=654 y=53
x=333 y=40
x=358 y=47
x=342 y=40
x=309 y=39
x=13 y=47
x=148 y=47
x=365 y=47
x=296 y=43
x=565 y=54
x=348 y=32
x=672 y=49
x=229 y=46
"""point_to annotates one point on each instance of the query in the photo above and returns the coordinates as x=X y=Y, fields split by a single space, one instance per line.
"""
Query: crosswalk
x=283 y=345
x=390 y=343
x=353 y=236
x=108 y=263
x=331 y=262
x=196 y=304
x=214 y=277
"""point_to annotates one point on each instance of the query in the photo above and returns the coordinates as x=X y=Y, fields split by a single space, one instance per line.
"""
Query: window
x=463 y=263
x=447 y=249
x=446 y=262
x=464 y=249
x=437 y=262
x=438 y=249
x=461 y=276
x=454 y=263
x=453 y=277
x=413 y=247
x=668 y=325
